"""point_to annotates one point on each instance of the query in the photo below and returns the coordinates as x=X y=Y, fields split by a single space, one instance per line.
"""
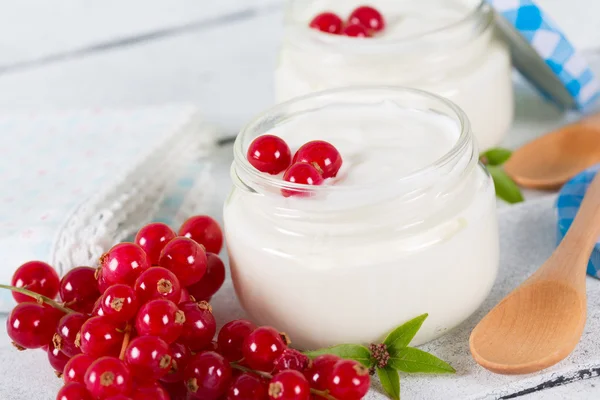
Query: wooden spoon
x=540 y=322
x=550 y=161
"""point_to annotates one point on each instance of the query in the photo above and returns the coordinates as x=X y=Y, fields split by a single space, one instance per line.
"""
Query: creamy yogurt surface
x=379 y=143
x=382 y=243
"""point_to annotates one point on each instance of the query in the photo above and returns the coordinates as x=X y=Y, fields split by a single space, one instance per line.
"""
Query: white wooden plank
x=228 y=71
x=581 y=390
x=31 y=29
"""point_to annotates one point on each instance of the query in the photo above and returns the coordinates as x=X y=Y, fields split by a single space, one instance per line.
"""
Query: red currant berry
x=199 y=327
x=356 y=30
x=66 y=333
x=102 y=283
x=97 y=309
x=84 y=308
x=321 y=155
x=158 y=283
x=348 y=379
x=301 y=173
x=231 y=338
x=150 y=391
x=247 y=387
x=270 y=154
x=291 y=359
x=368 y=17
x=148 y=357
x=207 y=375
x=118 y=397
x=180 y=355
x=79 y=287
x=108 y=376
x=38 y=277
x=185 y=295
x=212 y=346
x=76 y=368
x=290 y=385
x=119 y=303
x=212 y=280
x=176 y=390
x=153 y=238
x=318 y=373
x=73 y=391
x=58 y=360
x=203 y=230
x=262 y=347
x=99 y=336
x=160 y=318
x=123 y=264
x=327 y=22
x=31 y=325
x=185 y=258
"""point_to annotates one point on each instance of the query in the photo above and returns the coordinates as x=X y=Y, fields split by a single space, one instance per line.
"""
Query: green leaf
x=496 y=156
x=400 y=337
x=349 y=351
x=413 y=360
x=390 y=380
x=506 y=189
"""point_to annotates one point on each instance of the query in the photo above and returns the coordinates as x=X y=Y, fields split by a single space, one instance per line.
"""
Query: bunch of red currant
x=272 y=370
x=314 y=161
x=140 y=327
x=364 y=21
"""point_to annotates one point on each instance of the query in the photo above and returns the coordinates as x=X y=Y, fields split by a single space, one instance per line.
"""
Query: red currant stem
x=39 y=298
x=321 y=393
x=69 y=303
x=252 y=371
x=125 y=342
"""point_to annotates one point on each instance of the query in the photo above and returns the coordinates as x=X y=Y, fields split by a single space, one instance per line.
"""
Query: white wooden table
x=217 y=54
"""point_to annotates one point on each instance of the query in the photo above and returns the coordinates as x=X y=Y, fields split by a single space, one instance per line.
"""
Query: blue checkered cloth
x=551 y=44
x=567 y=205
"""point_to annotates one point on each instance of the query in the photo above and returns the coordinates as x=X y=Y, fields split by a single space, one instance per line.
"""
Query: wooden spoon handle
x=577 y=245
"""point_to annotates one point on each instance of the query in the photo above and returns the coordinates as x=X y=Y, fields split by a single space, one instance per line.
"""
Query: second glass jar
x=447 y=47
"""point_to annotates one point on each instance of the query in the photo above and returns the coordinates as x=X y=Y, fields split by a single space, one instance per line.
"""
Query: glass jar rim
x=481 y=8
x=465 y=138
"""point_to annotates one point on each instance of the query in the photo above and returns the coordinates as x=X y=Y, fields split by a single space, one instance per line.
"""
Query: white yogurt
x=408 y=226
x=447 y=47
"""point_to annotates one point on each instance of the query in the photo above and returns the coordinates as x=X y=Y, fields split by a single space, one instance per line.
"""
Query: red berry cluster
x=133 y=331
x=128 y=329
x=314 y=161
x=275 y=371
x=364 y=21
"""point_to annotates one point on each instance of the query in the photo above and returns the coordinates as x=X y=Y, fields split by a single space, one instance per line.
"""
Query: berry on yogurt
x=270 y=154
x=302 y=173
x=357 y=30
x=327 y=22
x=369 y=17
x=322 y=155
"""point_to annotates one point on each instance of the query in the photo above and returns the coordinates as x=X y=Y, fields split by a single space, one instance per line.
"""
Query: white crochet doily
x=114 y=214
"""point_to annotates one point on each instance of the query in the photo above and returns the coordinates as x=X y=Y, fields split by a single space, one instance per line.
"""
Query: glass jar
x=447 y=47
x=348 y=263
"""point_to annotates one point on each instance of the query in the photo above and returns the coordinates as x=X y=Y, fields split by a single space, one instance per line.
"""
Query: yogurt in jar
x=407 y=227
x=447 y=47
